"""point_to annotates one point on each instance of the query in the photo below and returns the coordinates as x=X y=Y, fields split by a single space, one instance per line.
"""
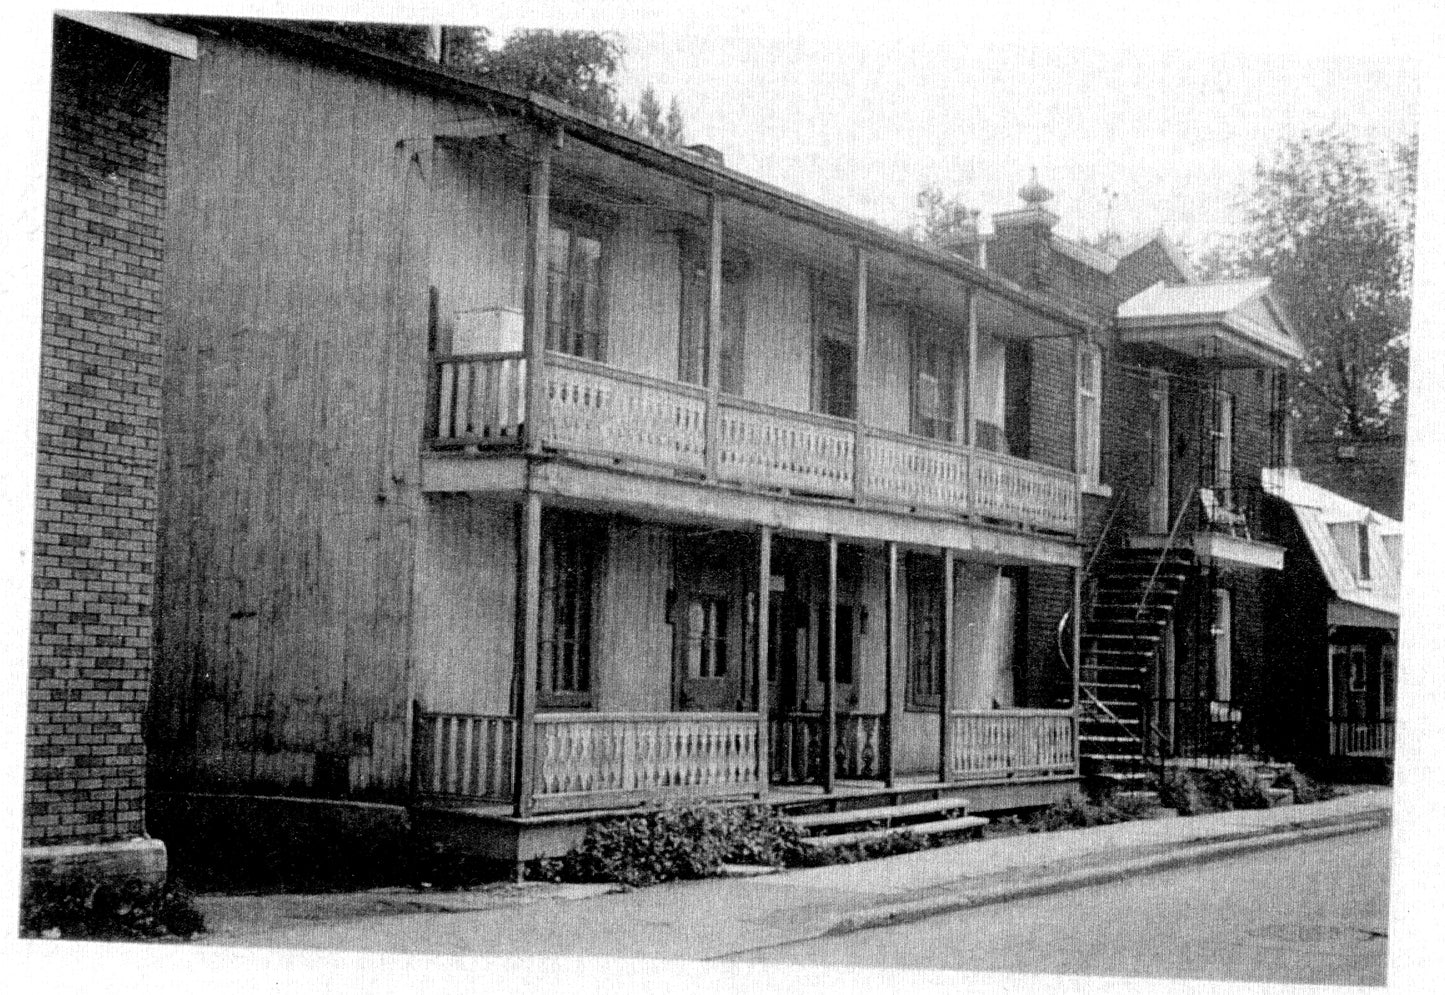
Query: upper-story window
x=935 y=374
x=835 y=350
x=1090 y=388
x=692 y=338
x=1221 y=434
x=575 y=320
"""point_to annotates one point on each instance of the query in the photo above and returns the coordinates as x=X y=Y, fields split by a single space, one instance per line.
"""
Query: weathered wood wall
x=296 y=322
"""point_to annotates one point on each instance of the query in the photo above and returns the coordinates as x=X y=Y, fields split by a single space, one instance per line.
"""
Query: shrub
x=1305 y=788
x=83 y=908
x=675 y=843
x=1200 y=790
x=1076 y=813
x=851 y=853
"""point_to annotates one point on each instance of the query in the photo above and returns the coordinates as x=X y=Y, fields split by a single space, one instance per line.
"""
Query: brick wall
x=99 y=424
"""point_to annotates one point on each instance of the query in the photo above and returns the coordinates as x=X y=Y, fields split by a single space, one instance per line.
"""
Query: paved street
x=1310 y=913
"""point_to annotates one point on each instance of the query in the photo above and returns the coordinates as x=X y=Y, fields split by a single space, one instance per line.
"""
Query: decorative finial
x=1033 y=192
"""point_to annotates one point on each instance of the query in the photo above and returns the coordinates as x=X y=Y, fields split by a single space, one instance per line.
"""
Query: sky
x=859 y=105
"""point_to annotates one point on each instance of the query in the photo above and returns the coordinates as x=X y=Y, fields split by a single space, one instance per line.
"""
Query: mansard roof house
x=516 y=468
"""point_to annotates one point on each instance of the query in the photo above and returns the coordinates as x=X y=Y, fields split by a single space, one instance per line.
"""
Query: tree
x=1320 y=226
x=941 y=218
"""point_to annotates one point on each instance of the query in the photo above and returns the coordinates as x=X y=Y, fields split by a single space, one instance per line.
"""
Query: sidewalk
x=698 y=920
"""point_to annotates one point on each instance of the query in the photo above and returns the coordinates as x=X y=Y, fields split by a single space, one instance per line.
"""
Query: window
x=692 y=344
x=1362 y=534
x=925 y=632
x=834 y=358
x=1222 y=436
x=572 y=551
x=1090 y=381
x=707 y=637
x=1387 y=681
x=574 y=289
x=935 y=373
x=843 y=662
x=1223 y=645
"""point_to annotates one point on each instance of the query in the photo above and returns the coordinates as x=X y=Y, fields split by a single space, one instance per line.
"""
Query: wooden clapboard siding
x=476 y=229
x=634 y=668
x=885 y=392
x=465 y=604
x=296 y=336
x=643 y=296
x=778 y=342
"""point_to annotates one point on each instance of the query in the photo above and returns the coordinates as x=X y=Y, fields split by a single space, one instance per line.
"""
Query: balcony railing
x=1362 y=738
x=796 y=746
x=592 y=409
x=1012 y=742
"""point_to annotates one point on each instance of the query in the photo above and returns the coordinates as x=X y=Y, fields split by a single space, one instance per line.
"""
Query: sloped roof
x=1107 y=261
x=1317 y=509
x=1241 y=316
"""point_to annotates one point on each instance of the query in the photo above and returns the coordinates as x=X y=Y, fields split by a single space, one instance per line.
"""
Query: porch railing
x=598 y=410
x=464 y=756
x=588 y=761
x=796 y=746
x=1014 y=742
x=1362 y=738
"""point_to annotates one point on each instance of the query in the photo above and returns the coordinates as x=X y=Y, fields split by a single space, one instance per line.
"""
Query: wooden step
x=921 y=829
x=883 y=813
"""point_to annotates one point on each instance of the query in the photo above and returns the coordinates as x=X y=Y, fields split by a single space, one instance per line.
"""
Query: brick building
x=98 y=448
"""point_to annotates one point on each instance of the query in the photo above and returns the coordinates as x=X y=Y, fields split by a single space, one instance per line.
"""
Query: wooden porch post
x=760 y=669
x=970 y=428
x=534 y=313
x=1076 y=640
x=945 y=676
x=830 y=675
x=860 y=326
x=892 y=686
x=714 y=331
x=529 y=602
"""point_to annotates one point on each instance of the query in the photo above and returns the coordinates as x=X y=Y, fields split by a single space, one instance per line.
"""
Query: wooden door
x=707 y=624
x=1159 y=454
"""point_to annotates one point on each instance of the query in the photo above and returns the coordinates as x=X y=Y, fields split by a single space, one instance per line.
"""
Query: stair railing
x=1164 y=554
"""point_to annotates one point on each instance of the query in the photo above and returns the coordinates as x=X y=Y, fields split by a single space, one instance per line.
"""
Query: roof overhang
x=1251 y=331
x=1340 y=612
x=137 y=30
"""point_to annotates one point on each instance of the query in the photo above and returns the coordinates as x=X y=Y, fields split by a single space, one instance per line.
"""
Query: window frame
x=834 y=327
x=573 y=546
x=1090 y=394
x=923 y=678
x=692 y=340
x=935 y=357
x=1222 y=634
x=1221 y=439
x=575 y=225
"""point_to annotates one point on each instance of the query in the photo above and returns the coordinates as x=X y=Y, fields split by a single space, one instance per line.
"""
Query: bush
x=1076 y=813
x=674 y=844
x=851 y=853
x=1200 y=791
x=1305 y=788
x=83 y=908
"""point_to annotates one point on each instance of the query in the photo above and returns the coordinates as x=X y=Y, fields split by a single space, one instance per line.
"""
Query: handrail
x=1164 y=553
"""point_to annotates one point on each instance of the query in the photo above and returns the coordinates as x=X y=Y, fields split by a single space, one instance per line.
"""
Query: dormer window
x=1362 y=533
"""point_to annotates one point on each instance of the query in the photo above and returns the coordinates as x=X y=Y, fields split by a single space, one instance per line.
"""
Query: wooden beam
x=892 y=686
x=860 y=373
x=529 y=602
x=714 y=330
x=945 y=675
x=534 y=314
x=830 y=672
x=970 y=428
x=760 y=669
x=483 y=127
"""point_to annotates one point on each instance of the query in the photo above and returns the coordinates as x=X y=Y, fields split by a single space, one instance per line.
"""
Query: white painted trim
x=135 y=29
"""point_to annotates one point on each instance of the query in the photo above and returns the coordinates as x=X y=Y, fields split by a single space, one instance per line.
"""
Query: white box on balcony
x=492 y=329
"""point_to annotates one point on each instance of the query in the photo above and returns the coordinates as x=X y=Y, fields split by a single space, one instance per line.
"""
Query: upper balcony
x=652 y=426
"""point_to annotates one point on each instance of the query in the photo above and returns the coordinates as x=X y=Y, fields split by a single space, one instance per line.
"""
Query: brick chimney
x=1020 y=249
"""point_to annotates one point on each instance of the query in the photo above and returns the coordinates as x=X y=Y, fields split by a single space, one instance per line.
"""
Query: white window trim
x=1088 y=448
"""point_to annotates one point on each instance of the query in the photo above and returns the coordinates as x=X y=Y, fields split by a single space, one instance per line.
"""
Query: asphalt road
x=1309 y=913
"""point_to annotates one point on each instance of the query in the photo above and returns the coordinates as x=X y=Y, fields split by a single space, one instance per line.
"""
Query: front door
x=707 y=625
x=1159 y=453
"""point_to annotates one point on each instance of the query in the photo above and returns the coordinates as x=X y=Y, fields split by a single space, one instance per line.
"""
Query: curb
x=1202 y=851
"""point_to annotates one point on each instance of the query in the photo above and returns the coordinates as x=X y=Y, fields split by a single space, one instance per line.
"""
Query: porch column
x=945 y=676
x=529 y=605
x=892 y=686
x=760 y=668
x=860 y=326
x=830 y=675
x=970 y=427
x=714 y=331
x=1075 y=639
x=534 y=312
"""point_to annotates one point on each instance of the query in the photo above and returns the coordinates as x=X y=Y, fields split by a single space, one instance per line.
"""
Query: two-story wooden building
x=514 y=460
